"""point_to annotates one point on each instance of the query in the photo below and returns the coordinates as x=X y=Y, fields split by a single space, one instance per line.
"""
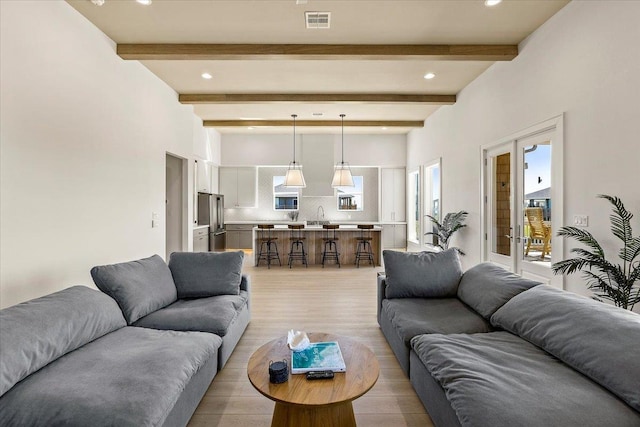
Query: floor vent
x=317 y=19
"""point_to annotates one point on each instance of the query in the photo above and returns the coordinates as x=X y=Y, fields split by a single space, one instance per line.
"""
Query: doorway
x=522 y=201
x=174 y=202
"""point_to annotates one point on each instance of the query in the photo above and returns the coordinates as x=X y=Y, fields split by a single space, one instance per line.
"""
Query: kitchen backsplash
x=308 y=206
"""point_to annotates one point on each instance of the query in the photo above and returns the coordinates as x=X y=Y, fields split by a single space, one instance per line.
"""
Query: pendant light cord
x=342 y=117
x=294 y=138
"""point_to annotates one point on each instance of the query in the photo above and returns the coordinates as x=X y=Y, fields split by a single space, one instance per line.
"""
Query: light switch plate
x=581 y=220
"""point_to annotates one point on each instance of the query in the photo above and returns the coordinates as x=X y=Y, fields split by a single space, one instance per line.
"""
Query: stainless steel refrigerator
x=211 y=213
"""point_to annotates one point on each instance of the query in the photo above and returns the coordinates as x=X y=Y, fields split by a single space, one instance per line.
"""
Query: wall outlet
x=580 y=221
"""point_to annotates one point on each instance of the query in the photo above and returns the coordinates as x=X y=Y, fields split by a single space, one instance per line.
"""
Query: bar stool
x=297 y=250
x=364 y=250
x=268 y=245
x=330 y=239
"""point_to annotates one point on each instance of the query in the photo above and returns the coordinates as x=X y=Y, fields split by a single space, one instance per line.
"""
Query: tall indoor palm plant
x=609 y=281
x=451 y=223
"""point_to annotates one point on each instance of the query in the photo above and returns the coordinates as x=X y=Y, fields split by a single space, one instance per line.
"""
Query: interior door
x=522 y=183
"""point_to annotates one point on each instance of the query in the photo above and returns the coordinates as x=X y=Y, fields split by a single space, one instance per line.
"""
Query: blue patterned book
x=319 y=356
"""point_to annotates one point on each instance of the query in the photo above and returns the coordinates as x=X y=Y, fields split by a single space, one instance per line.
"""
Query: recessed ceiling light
x=206 y=76
x=144 y=2
x=97 y=2
x=429 y=76
x=492 y=2
x=317 y=114
x=384 y=128
x=251 y=128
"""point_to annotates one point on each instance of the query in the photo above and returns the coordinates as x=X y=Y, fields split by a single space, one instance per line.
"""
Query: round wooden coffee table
x=300 y=402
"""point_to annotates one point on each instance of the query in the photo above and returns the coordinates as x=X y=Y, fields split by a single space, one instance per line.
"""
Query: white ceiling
x=352 y=22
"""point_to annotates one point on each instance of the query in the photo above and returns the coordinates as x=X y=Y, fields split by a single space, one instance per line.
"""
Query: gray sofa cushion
x=140 y=287
x=486 y=287
x=37 y=332
x=422 y=274
x=140 y=375
x=212 y=314
x=415 y=316
x=597 y=339
x=499 y=379
x=206 y=274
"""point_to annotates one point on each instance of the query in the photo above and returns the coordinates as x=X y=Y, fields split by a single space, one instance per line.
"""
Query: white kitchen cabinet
x=394 y=236
x=203 y=176
x=393 y=194
x=201 y=240
x=239 y=186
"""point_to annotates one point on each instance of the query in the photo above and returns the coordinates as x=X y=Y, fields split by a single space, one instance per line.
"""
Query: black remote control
x=320 y=375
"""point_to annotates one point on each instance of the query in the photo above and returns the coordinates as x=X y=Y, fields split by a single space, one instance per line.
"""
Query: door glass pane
x=501 y=227
x=431 y=201
x=537 y=203
x=413 y=219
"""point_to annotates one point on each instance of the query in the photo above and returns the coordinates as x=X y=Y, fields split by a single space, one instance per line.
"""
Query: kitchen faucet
x=320 y=208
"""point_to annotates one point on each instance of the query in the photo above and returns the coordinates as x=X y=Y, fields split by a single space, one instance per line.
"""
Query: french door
x=522 y=202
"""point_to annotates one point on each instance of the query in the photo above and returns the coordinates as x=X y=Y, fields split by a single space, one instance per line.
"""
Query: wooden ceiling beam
x=314 y=123
x=244 y=98
x=486 y=52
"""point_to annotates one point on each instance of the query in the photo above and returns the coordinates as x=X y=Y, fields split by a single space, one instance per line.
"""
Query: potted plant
x=451 y=223
x=614 y=282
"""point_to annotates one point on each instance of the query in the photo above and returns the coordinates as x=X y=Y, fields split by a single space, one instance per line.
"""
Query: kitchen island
x=348 y=242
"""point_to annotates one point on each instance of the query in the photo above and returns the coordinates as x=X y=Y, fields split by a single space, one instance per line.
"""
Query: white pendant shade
x=294 y=178
x=342 y=176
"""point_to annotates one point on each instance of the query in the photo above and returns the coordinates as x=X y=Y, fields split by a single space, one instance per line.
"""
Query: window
x=351 y=198
x=284 y=198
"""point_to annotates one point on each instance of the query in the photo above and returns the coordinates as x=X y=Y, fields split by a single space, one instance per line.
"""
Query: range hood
x=317 y=165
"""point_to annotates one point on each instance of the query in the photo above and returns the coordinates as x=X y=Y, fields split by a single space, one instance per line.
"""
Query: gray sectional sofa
x=489 y=348
x=79 y=357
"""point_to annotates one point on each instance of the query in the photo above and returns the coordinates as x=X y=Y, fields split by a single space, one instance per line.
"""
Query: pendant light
x=342 y=176
x=294 y=177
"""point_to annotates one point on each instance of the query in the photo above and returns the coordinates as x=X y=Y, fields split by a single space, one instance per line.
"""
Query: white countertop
x=198 y=227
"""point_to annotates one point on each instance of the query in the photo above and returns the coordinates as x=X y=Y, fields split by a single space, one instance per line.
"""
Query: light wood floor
x=339 y=301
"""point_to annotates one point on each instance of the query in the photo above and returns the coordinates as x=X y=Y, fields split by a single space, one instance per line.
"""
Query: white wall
x=583 y=62
x=277 y=149
x=83 y=141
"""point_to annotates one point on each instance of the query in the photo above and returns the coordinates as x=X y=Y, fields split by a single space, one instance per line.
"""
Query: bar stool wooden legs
x=330 y=239
x=297 y=250
x=268 y=245
x=364 y=250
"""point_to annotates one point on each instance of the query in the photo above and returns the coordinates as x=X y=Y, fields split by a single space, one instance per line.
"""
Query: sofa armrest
x=382 y=286
x=245 y=285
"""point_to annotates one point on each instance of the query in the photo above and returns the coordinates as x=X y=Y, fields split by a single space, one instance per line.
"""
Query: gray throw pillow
x=139 y=287
x=206 y=274
x=422 y=274
x=487 y=287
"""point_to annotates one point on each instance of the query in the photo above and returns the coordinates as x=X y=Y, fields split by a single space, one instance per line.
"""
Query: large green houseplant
x=614 y=282
x=451 y=223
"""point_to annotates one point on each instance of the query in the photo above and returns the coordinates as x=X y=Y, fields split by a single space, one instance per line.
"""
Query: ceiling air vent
x=317 y=19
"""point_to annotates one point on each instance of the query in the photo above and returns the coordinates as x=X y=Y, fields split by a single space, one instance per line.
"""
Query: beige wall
x=84 y=136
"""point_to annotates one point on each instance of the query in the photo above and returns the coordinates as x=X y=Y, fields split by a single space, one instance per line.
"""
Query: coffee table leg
x=340 y=414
